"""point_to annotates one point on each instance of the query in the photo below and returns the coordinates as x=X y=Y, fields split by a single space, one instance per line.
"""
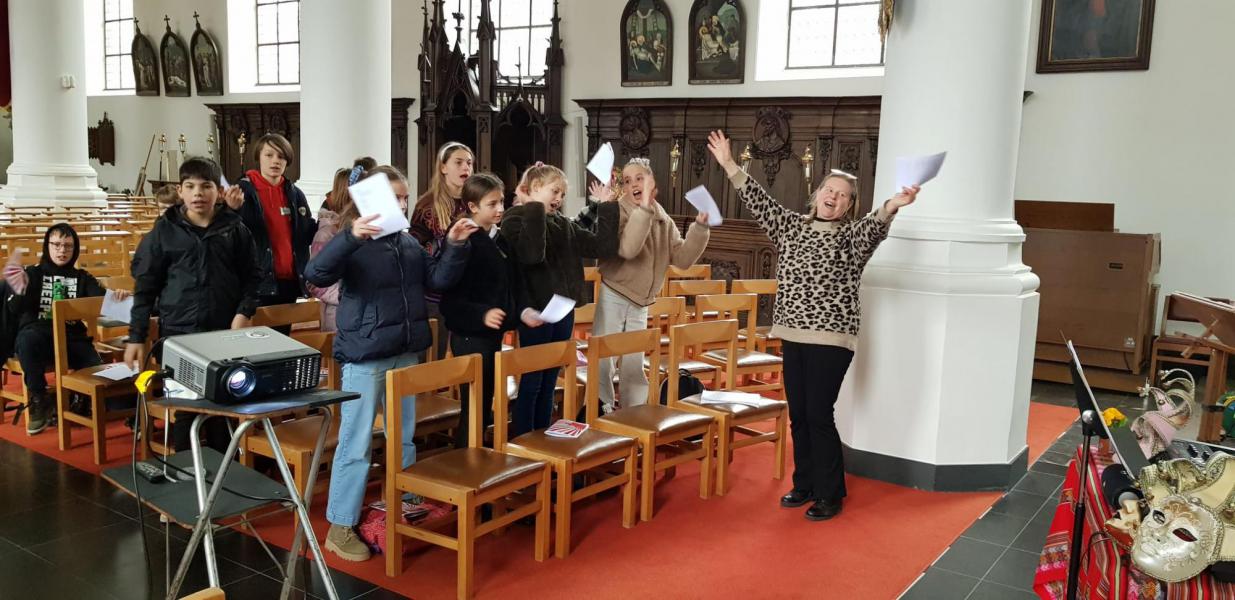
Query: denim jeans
x=350 y=468
x=534 y=406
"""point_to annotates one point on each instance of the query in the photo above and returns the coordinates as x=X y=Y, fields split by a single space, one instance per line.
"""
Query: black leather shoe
x=822 y=510
x=795 y=498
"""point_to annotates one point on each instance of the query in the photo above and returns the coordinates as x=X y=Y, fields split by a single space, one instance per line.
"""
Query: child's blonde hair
x=541 y=174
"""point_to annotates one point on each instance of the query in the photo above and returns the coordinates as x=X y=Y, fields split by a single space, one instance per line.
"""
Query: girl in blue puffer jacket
x=382 y=325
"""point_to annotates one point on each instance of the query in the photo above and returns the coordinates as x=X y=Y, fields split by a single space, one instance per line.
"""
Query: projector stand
x=1088 y=430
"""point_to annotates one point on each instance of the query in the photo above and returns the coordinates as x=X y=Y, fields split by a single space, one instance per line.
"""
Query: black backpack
x=688 y=385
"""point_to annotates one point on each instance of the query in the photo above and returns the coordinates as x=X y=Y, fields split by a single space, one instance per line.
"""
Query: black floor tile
x=1019 y=504
x=1043 y=466
x=54 y=522
x=1014 y=569
x=260 y=587
x=7 y=547
x=346 y=585
x=40 y=580
x=1057 y=458
x=937 y=584
x=970 y=557
x=996 y=528
x=988 y=590
x=1042 y=484
x=16 y=498
x=1034 y=535
x=382 y=594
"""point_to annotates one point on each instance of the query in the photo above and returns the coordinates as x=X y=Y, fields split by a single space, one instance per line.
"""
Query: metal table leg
x=205 y=505
x=302 y=508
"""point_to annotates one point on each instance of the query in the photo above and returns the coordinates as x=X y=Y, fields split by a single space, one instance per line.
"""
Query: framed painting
x=717 y=42
x=207 y=71
x=145 y=64
x=175 y=63
x=647 y=44
x=1095 y=35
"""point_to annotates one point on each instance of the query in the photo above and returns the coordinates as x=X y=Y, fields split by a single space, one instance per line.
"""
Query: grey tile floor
x=996 y=557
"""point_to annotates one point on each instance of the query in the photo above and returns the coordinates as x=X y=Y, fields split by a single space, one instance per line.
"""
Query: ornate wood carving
x=255 y=119
x=840 y=130
x=101 y=140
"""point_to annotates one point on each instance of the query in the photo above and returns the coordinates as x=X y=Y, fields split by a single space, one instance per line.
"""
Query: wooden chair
x=592 y=275
x=466 y=478
x=300 y=316
x=731 y=418
x=84 y=381
x=663 y=315
x=593 y=453
x=690 y=288
x=750 y=362
x=1170 y=348
x=696 y=271
x=764 y=340
x=207 y=594
x=658 y=428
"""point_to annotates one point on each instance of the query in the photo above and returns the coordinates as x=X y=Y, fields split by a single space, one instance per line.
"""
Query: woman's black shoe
x=795 y=498
x=822 y=510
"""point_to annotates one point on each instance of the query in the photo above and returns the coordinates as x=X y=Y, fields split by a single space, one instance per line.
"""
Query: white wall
x=1157 y=143
x=137 y=118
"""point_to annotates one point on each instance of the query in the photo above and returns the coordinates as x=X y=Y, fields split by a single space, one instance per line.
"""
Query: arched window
x=801 y=39
x=117 y=41
x=523 y=28
x=278 y=42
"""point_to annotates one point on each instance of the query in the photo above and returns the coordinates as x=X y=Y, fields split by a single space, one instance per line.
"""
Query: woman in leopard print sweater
x=817 y=314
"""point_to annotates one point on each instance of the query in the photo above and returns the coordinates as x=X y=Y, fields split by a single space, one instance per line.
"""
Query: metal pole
x=301 y=510
x=289 y=580
x=1088 y=418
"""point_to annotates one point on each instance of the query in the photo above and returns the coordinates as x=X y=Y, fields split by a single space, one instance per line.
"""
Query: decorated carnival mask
x=1178 y=539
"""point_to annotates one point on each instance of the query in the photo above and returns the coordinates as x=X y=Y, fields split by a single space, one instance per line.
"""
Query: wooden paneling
x=842 y=133
x=283 y=118
x=1076 y=216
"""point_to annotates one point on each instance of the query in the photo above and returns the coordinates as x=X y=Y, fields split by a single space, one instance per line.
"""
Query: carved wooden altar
x=842 y=133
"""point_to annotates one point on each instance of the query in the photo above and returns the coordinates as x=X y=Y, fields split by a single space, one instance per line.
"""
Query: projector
x=241 y=365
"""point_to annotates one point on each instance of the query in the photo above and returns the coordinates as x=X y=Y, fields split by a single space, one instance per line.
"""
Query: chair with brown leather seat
x=595 y=453
x=659 y=429
x=84 y=381
x=664 y=314
x=749 y=362
x=731 y=418
x=765 y=341
x=466 y=478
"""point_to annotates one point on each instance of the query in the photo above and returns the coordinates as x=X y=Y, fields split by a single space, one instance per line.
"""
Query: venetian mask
x=1177 y=540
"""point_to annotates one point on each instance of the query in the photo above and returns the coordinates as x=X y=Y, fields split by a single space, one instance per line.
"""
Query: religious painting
x=175 y=63
x=207 y=73
x=717 y=42
x=145 y=64
x=1095 y=35
x=647 y=44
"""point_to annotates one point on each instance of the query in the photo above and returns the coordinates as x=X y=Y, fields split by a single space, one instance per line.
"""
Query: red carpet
x=735 y=546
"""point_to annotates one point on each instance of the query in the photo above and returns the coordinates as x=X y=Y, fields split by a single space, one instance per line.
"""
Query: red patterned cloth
x=1107 y=572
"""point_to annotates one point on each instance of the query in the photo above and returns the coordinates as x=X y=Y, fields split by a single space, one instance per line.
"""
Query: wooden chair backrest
x=428 y=377
x=695 y=287
x=529 y=359
x=323 y=341
x=1170 y=314
x=295 y=313
x=763 y=287
x=684 y=337
x=646 y=341
x=118 y=282
x=585 y=316
x=696 y=271
x=104 y=254
x=592 y=274
x=730 y=306
x=63 y=312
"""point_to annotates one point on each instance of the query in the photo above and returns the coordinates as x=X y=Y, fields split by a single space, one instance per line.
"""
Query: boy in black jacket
x=484 y=305
x=198 y=266
x=54 y=278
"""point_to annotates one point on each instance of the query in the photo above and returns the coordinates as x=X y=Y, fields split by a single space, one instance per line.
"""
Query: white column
x=51 y=165
x=344 y=89
x=938 y=395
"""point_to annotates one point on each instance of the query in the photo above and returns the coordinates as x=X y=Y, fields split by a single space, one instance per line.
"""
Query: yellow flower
x=1113 y=418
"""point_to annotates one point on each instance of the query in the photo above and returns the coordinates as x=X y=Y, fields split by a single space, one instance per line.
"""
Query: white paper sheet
x=116 y=310
x=701 y=199
x=374 y=196
x=557 y=309
x=601 y=164
x=917 y=170
x=225 y=183
x=717 y=397
x=116 y=372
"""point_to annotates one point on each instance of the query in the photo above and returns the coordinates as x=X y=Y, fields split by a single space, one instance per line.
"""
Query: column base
x=314 y=192
x=936 y=478
x=52 y=185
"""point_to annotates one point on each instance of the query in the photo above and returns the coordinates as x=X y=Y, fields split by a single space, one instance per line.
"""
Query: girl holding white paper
x=382 y=325
x=632 y=280
x=817 y=314
x=549 y=247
